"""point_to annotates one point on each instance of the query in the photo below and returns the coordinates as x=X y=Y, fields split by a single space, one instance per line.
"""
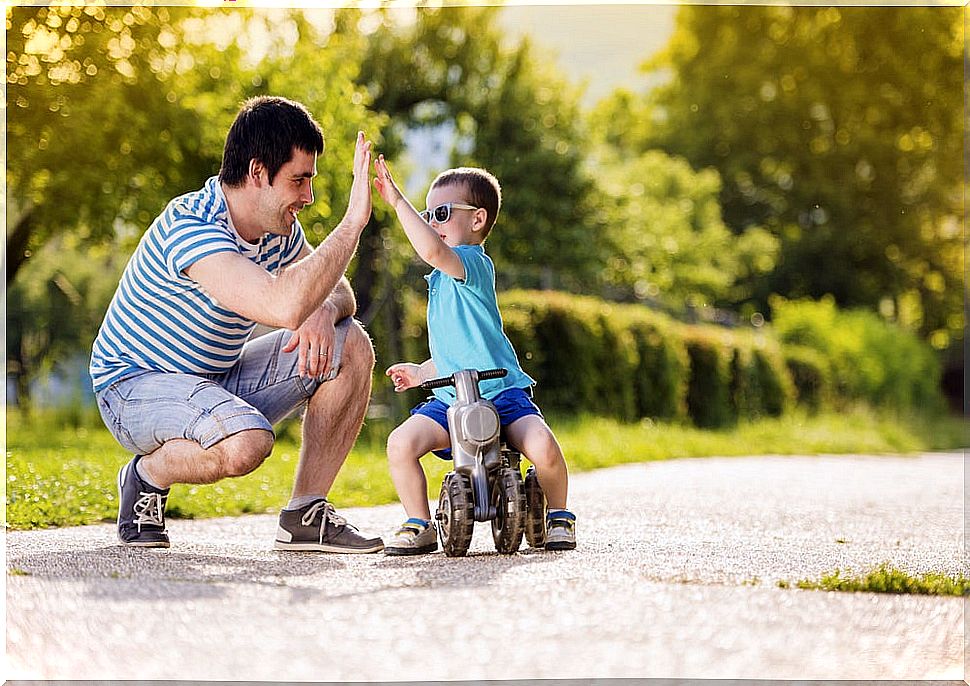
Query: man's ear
x=257 y=172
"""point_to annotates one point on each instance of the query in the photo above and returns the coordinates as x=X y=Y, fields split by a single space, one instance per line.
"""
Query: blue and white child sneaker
x=560 y=530
x=414 y=537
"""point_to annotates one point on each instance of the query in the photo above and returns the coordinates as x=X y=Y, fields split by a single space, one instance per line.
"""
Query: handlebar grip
x=492 y=374
x=438 y=383
x=483 y=375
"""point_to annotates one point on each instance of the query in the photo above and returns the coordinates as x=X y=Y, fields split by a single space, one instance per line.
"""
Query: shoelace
x=329 y=513
x=149 y=509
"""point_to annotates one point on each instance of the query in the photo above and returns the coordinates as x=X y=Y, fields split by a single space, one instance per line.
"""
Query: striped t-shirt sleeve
x=189 y=241
x=293 y=245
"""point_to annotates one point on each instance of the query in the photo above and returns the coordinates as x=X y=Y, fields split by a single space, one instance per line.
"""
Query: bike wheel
x=508 y=496
x=535 y=510
x=456 y=514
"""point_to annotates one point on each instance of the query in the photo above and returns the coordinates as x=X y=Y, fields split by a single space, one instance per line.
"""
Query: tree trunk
x=17 y=241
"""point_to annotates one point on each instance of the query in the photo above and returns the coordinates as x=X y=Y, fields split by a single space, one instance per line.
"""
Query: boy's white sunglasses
x=442 y=213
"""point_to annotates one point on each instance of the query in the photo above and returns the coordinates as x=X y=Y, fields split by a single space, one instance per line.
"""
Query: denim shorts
x=146 y=409
x=512 y=404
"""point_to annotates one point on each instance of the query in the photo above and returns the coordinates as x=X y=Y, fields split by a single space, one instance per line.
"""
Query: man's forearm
x=316 y=278
x=342 y=300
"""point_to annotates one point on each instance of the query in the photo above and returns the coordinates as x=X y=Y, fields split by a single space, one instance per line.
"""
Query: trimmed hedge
x=811 y=374
x=630 y=362
x=860 y=356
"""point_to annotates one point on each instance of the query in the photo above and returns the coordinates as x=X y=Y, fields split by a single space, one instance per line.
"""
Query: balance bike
x=486 y=483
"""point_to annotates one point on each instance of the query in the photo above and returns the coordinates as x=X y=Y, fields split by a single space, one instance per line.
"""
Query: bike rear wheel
x=535 y=506
x=456 y=514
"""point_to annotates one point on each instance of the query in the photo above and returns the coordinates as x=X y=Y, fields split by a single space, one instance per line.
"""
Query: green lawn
x=60 y=474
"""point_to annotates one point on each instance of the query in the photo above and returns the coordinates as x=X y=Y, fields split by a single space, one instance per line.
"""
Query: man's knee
x=358 y=348
x=243 y=452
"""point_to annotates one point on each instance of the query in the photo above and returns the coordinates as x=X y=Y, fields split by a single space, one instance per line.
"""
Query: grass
x=887 y=579
x=61 y=470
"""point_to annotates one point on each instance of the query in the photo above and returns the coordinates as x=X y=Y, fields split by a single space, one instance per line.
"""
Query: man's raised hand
x=359 y=205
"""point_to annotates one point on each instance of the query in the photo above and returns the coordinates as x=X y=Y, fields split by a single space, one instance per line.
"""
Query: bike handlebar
x=450 y=380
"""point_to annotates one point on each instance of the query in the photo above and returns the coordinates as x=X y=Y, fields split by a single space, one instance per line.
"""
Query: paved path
x=676 y=577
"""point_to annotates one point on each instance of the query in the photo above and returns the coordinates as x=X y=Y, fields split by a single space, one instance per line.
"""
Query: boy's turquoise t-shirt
x=465 y=327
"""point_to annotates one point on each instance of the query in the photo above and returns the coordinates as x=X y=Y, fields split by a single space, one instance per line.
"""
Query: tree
x=839 y=130
x=528 y=132
x=508 y=113
x=665 y=236
x=93 y=132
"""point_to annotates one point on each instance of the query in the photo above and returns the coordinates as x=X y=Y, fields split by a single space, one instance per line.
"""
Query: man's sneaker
x=415 y=537
x=318 y=527
x=560 y=530
x=141 y=510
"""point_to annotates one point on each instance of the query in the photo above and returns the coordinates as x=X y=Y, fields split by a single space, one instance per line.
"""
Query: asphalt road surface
x=676 y=576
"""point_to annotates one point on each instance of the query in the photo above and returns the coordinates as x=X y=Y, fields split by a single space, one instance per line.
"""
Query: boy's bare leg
x=407 y=444
x=533 y=437
x=334 y=417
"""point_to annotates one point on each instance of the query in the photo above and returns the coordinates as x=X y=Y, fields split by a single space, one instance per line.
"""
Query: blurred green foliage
x=838 y=129
x=868 y=359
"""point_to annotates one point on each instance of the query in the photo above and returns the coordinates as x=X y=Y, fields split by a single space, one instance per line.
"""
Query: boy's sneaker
x=318 y=527
x=141 y=510
x=415 y=537
x=560 y=530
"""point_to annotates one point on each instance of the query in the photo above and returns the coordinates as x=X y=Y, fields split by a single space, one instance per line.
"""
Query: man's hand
x=405 y=375
x=359 y=205
x=315 y=339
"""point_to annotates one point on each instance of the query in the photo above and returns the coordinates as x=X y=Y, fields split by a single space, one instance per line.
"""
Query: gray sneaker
x=141 y=510
x=413 y=538
x=560 y=530
x=318 y=527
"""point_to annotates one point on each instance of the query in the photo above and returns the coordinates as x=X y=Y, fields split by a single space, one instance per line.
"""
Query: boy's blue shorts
x=511 y=404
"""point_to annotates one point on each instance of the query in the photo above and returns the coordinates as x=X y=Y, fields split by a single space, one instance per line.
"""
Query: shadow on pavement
x=477 y=568
x=161 y=565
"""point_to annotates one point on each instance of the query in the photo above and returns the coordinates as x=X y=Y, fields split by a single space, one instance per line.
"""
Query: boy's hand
x=405 y=375
x=359 y=206
x=384 y=183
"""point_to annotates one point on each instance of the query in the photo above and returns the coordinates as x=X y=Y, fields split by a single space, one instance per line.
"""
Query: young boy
x=464 y=332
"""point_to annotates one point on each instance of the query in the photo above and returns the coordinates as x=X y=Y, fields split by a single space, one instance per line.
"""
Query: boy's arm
x=425 y=240
x=407 y=375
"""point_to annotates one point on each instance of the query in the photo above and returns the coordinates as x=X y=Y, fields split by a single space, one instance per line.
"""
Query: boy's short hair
x=267 y=128
x=482 y=187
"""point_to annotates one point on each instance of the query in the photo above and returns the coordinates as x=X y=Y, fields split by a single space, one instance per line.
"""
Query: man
x=177 y=379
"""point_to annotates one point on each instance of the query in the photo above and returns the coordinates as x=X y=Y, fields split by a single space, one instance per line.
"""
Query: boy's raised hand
x=384 y=183
x=405 y=375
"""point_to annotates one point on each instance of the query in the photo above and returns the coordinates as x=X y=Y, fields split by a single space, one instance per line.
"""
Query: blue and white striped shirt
x=159 y=318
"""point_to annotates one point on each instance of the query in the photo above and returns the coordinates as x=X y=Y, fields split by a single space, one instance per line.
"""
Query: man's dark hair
x=267 y=129
x=482 y=187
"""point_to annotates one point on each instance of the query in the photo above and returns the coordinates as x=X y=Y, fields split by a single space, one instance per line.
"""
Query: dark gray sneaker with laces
x=141 y=510
x=318 y=527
